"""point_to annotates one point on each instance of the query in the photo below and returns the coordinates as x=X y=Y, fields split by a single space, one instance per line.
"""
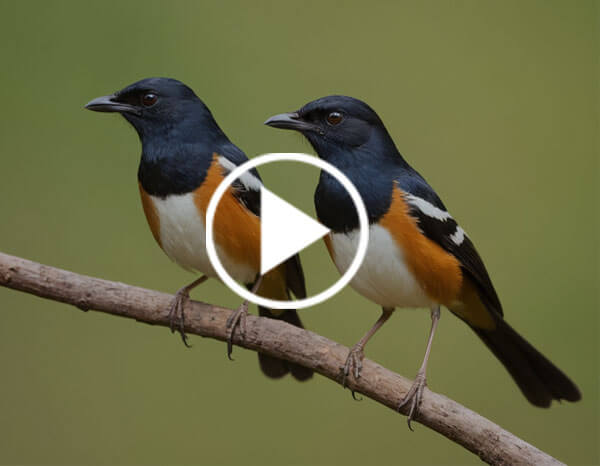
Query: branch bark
x=477 y=434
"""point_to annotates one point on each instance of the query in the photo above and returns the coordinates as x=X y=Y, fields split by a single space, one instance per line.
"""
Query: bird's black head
x=337 y=124
x=155 y=106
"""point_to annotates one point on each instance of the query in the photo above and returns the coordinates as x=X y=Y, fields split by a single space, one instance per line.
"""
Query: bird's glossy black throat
x=179 y=173
x=333 y=203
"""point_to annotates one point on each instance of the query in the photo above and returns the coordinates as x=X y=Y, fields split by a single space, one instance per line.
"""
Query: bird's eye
x=334 y=118
x=149 y=99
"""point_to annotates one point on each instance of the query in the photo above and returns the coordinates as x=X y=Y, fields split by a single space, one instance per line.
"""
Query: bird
x=418 y=256
x=185 y=156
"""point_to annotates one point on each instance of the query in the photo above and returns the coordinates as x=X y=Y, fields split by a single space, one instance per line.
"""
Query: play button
x=284 y=230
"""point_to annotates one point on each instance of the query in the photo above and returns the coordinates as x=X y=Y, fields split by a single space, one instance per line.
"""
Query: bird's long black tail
x=276 y=368
x=539 y=379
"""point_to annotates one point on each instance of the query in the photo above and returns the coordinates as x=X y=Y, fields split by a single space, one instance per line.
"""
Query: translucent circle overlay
x=300 y=303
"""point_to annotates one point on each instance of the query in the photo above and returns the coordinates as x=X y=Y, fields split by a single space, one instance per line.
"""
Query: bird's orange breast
x=437 y=271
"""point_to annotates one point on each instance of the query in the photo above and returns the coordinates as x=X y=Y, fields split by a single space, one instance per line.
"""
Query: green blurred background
x=496 y=103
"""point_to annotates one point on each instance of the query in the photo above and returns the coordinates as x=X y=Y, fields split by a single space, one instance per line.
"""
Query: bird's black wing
x=246 y=190
x=438 y=225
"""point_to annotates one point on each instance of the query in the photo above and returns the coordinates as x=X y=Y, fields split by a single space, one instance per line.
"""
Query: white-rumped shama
x=185 y=156
x=418 y=256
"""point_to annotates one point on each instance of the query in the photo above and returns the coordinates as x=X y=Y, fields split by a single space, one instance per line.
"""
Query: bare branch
x=489 y=441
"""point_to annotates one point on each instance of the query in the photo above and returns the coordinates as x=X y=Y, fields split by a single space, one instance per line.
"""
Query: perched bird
x=418 y=256
x=185 y=156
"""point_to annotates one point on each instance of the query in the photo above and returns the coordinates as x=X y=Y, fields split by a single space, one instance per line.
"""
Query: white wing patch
x=427 y=208
x=247 y=179
x=458 y=236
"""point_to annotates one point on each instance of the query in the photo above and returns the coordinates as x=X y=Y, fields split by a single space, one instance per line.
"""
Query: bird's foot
x=413 y=397
x=176 y=313
x=237 y=319
x=353 y=365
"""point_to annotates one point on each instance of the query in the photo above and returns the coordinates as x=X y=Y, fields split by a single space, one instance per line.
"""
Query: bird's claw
x=353 y=366
x=414 y=396
x=236 y=319
x=176 y=314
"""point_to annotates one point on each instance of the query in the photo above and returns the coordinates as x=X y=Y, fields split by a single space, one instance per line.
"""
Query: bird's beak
x=289 y=121
x=107 y=103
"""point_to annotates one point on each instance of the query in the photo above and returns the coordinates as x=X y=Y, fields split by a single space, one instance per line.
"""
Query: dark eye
x=149 y=99
x=334 y=118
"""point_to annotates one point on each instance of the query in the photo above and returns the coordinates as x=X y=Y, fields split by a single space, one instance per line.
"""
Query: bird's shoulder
x=245 y=188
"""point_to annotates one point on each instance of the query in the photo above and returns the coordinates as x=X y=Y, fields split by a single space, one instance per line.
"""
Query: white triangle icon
x=284 y=230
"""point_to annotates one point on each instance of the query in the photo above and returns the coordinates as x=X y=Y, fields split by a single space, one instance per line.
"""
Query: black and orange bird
x=185 y=156
x=418 y=256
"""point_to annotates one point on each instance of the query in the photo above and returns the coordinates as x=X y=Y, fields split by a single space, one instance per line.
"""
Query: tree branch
x=489 y=441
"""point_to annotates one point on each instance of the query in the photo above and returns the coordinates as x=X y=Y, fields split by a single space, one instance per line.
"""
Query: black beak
x=107 y=103
x=289 y=121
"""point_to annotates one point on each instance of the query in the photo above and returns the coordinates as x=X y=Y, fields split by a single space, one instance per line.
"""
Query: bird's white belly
x=384 y=276
x=183 y=238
